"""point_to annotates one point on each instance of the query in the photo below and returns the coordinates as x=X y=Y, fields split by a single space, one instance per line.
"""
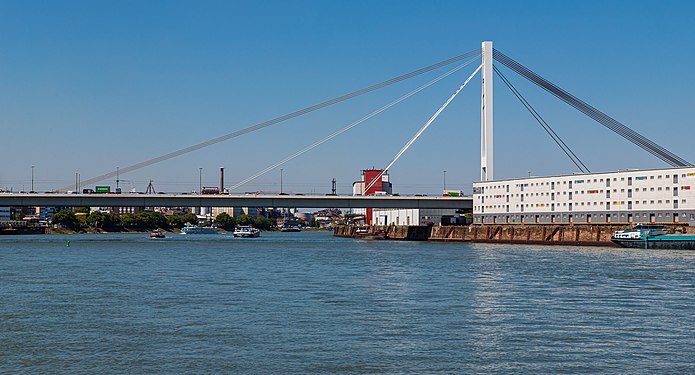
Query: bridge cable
x=352 y=125
x=548 y=129
x=279 y=119
x=592 y=112
x=422 y=130
x=604 y=119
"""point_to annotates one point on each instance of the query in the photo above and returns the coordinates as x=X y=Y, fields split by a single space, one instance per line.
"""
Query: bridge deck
x=246 y=200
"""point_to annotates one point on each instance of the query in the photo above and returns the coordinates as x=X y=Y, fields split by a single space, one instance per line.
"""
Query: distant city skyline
x=87 y=87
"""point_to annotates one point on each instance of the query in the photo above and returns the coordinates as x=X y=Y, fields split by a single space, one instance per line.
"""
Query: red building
x=380 y=186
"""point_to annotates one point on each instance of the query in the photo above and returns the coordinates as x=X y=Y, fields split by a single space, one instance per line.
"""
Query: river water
x=309 y=303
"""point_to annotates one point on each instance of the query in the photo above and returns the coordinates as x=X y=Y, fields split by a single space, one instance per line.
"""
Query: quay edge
x=531 y=234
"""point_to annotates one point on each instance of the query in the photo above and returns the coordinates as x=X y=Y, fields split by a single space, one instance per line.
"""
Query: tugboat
x=246 y=231
x=157 y=234
x=650 y=236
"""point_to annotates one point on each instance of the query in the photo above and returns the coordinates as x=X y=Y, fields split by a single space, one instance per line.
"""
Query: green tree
x=66 y=218
x=82 y=210
x=144 y=220
x=158 y=220
x=95 y=219
x=190 y=218
x=129 y=221
x=263 y=223
x=244 y=220
x=110 y=220
x=104 y=220
x=225 y=221
x=175 y=221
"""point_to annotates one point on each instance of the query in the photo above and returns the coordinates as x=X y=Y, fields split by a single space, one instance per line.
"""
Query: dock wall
x=539 y=234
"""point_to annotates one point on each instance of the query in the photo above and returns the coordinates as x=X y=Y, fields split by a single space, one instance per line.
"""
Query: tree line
x=148 y=220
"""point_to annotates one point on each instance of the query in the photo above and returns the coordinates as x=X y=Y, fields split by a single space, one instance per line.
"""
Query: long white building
x=631 y=196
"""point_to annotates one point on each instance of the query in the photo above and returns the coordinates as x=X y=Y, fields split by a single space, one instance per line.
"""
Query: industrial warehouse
x=631 y=196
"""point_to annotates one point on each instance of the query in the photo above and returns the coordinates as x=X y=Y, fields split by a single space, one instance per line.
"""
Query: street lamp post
x=281 y=180
x=117 y=177
x=32 y=178
x=444 y=181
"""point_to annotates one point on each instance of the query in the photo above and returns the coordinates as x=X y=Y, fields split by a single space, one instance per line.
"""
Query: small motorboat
x=290 y=229
x=157 y=234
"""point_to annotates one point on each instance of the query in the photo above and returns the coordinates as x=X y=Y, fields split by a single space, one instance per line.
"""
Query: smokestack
x=221 y=179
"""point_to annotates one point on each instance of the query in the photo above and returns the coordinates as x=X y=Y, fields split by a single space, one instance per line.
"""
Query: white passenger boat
x=246 y=231
x=194 y=229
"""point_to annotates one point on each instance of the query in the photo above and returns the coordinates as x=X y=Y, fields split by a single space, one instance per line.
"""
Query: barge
x=653 y=237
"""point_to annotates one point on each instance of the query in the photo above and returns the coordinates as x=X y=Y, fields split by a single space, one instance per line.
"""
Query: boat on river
x=290 y=229
x=194 y=229
x=246 y=231
x=650 y=236
x=157 y=234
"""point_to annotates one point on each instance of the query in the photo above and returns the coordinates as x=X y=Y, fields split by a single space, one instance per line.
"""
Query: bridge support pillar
x=486 y=146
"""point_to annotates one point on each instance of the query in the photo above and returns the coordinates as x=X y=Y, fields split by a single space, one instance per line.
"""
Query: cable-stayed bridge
x=486 y=56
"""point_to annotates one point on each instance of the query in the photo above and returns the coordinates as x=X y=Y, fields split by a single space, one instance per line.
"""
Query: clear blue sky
x=91 y=85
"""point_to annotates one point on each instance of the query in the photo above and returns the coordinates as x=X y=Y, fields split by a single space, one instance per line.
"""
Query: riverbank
x=163 y=230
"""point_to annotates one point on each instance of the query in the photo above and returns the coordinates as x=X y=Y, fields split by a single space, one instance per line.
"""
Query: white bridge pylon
x=486 y=138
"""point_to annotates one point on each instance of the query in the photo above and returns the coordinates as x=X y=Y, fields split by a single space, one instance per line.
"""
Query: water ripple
x=308 y=303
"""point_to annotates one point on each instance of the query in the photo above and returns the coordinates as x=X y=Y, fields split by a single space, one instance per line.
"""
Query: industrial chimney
x=221 y=179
